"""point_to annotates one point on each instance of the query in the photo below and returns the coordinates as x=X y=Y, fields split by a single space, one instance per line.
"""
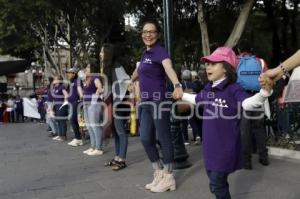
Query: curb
x=284 y=153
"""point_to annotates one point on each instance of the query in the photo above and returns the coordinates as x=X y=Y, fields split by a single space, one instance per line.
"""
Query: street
x=32 y=166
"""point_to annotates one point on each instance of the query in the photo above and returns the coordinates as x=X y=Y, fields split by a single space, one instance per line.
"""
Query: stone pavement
x=32 y=166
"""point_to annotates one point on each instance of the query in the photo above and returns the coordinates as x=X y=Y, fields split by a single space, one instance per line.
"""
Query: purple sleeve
x=239 y=93
x=162 y=54
x=200 y=97
x=49 y=96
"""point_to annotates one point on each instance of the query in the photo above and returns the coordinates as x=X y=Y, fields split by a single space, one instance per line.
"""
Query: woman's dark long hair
x=109 y=60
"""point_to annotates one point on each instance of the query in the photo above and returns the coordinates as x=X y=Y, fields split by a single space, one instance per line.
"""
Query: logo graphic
x=147 y=61
x=220 y=103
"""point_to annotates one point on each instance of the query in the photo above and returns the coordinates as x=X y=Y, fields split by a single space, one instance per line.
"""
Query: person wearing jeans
x=92 y=114
x=155 y=65
x=153 y=117
x=218 y=184
x=60 y=96
x=61 y=113
x=73 y=99
x=118 y=81
x=92 y=89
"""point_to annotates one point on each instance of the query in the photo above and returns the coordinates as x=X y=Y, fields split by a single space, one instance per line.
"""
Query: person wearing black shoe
x=253 y=133
x=118 y=81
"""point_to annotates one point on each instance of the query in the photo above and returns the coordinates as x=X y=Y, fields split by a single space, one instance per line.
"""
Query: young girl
x=222 y=99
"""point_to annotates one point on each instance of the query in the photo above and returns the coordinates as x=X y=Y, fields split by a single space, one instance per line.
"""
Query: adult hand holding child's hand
x=266 y=82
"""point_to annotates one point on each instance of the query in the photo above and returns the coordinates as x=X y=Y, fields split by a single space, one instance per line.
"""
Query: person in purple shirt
x=60 y=95
x=223 y=100
x=50 y=120
x=75 y=90
x=92 y=89
x=19 y=109
x=155 y=65
x=41 y=107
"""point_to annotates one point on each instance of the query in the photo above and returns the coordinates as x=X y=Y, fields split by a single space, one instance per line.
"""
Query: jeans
x=19 y=113
x=256 y=127
x=283 y=120
x=12 y=116
x=152 y=126
x=92 y=118
x=52 y=124
x=196 y=125
x=121 y=139
x=74 y=120
x=42 y=113
x=218 y=184
x=61 y=119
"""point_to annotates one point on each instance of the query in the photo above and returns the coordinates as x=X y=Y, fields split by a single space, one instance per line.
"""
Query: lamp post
x=17 y=87
x=180 y=152
x=33 y=70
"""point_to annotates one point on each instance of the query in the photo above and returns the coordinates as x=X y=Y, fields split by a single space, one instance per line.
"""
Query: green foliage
x=92 y=23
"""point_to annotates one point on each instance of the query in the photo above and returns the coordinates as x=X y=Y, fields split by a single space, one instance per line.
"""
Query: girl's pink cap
x=222 y=54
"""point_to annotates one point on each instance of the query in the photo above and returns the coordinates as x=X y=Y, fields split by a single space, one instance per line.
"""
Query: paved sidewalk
x=32 y=166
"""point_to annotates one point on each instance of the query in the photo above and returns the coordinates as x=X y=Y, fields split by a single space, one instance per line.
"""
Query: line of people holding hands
x=222 y=100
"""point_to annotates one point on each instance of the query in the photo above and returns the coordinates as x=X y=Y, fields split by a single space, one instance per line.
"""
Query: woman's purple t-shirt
x=152 y=76
x=57 y=93
x=73 y=91
x=89 y=90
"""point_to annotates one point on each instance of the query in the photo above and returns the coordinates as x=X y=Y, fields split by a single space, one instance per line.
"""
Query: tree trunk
x=240 y=24
x=39 y=30
x=203 y=28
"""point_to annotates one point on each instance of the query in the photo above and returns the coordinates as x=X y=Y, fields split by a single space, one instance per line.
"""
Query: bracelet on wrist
x=285 y=73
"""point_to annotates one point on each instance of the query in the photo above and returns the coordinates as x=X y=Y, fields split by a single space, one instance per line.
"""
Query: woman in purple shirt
x=19 y=108
x=75 y=90
x=92 y=89
x=60 y=95
x=222 y=98
x=155 y=66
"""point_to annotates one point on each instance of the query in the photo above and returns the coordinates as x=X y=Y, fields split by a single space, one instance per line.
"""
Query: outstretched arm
x=256 y=101
x=289 y=64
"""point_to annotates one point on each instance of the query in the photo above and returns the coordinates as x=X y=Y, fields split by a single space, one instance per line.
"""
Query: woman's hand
x=266 y=82
x=177 y=93
x=274 y=74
